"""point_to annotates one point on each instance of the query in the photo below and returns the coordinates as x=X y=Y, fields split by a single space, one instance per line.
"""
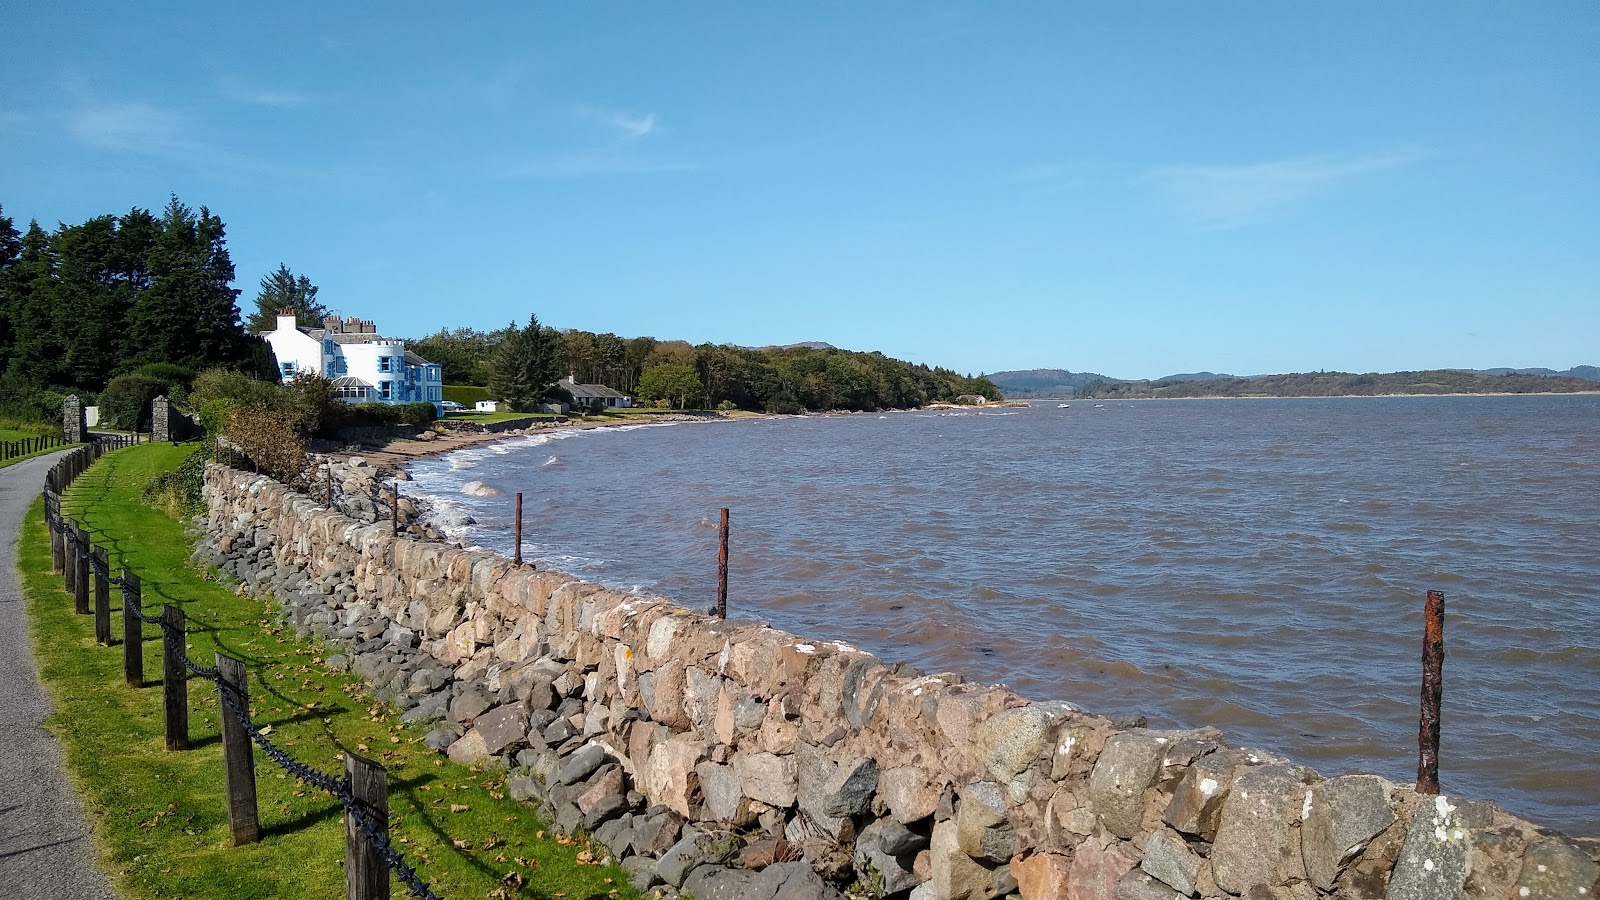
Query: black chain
x=359 y=811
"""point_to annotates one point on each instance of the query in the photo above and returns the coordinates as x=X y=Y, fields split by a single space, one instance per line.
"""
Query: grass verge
x=12 y=431
x=161 y=819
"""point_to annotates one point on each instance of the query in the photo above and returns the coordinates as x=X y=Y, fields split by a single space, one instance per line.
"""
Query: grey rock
x=655 y=833
x=468 y=705
x=1127 y=766
x=1137 y=885
x=539 y=720
x=1253 y=835
x=604 y=810
x=568 y=816
x=1167 y=858
x=694 y=848
x=886 y=871
x=616 y=835
x=768 y=778
x=982 y=829
x=814 y=771
x=791 y=881
x=1198 y=798
x=1010 y=740
x=1342 y=815
x=524 y=789
x=641 y=872
x=558 y=732
x=428 y=709
x=1436 y=855
x=440 y=739
x=849 y=792
x=582 y=764
x=717 y=883
x=1554 y=869
x=502 y=728
x=725 y=800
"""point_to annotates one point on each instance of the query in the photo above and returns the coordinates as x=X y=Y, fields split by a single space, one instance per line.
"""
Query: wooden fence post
x=52 y=502
x=80 y=571
x=132 y=631
x=237 y=757
x=516 y=559
x=174 y=677
x=102 y=598
x=69 y=557
x=1432 y=694
x=366 y=875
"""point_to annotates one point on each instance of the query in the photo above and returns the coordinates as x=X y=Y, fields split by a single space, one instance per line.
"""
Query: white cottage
x=365 y=367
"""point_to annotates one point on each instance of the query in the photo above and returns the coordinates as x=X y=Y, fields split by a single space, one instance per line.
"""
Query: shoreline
x=394 y=455
x=1323 y=396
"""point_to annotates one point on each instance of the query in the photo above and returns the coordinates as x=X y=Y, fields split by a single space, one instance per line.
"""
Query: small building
x=594 y=396
x=364 y=366
x=491 y=406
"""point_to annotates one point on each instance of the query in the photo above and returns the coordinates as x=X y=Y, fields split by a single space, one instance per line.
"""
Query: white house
x=365 y=367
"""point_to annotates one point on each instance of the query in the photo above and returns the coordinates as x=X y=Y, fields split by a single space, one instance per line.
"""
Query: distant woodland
x=1341 y=384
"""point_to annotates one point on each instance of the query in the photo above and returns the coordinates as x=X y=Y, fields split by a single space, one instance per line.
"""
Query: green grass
x=161 y=818
x=9 y=432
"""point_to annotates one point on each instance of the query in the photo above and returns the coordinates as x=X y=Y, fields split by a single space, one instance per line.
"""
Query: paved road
x=46 y=851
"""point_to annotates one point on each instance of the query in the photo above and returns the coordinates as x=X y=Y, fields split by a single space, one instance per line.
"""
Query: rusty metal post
x=329 y=487
x=722 y=568
x=517 y=557
x=394 y=506
x=1432 y=694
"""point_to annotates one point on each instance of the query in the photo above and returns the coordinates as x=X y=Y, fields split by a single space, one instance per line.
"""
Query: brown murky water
x=1255 y=565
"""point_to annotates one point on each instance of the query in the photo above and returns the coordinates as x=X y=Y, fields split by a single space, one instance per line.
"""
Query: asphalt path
x=46 y=848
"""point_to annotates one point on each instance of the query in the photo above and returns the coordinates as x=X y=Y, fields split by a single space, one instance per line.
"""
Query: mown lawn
x=161 y=818
x=9 y=433
x=489 y=418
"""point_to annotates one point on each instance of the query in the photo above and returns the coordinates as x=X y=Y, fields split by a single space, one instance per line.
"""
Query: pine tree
x=285 y=290
x=525 y=365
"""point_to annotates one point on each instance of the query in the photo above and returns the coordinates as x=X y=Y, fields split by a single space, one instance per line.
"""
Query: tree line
x=85 y=304
x=1340 y=384
x=682 y=375
x=133 y=305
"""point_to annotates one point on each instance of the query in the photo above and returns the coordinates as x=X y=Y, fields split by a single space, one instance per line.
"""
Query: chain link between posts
x=359 y=812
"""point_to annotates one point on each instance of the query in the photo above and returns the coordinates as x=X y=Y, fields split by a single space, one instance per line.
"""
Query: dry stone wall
x=729 y=759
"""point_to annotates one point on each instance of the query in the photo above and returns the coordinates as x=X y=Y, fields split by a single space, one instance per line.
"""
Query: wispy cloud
x=166 y=134
x=597 y=165
x=237 y=89
x=631 y=126
x=139 y=127
x=1218 y=197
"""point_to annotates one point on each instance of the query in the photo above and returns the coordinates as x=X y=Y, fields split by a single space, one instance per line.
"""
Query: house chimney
x=331 y=323
x=286 y=319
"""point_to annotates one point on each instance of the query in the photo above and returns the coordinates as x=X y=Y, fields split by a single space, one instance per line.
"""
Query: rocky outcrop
x=728 y=759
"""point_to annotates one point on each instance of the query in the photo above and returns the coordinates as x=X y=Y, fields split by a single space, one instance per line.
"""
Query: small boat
x=1063 y=406
x=1099 y=406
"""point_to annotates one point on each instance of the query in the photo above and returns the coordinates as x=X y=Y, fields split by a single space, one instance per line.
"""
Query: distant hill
x=1345 y=384
x=1587 y=373
x=1020 y=385
x=1197 y=376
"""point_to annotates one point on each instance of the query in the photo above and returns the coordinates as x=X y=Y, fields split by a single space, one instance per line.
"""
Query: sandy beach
x=396 y=453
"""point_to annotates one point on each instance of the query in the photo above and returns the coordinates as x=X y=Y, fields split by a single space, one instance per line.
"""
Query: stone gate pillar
x=160 y=420
x=74 y=421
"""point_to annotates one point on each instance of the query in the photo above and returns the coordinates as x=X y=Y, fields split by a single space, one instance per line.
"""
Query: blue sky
x=1135 y=189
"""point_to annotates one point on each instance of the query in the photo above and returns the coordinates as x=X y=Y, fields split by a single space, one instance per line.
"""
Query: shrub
x=465 y=394
x=170 y=374
x=177 y=493
x=316 y=401
x=24 y=400
x=783 y=403
x=393 y=414
x=268 y=438
x=237 y=387
x=727 y=406
x=125 y=403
